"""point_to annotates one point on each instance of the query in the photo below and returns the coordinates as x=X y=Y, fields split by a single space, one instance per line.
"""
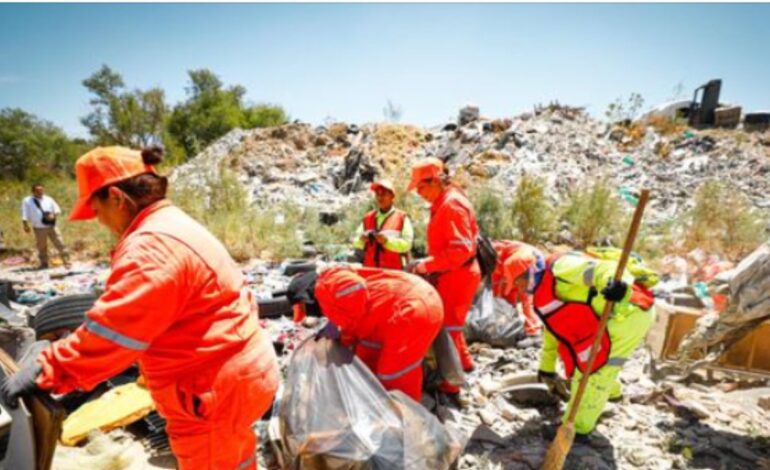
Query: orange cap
x=342 y=295
x=100 y=167
x=427 y=168
x=386 y=184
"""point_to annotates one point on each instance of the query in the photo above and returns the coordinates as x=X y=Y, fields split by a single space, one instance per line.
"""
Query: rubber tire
x=299 y=266
x=63 y=313
x=275 y=308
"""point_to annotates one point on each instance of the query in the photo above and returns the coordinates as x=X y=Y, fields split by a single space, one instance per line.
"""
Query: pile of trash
x=508 y=419
x=329 y=166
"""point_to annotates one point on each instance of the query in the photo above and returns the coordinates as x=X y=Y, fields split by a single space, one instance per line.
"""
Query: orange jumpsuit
x=390 y=316
x=508 y=253
x=177 y=303
x=451 y=234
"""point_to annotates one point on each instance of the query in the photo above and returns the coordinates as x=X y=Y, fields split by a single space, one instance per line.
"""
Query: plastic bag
x=494 y=321
x=448 y=359
x=335 y=415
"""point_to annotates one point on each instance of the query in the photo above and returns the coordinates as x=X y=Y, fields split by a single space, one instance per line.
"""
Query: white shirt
x=33 y=215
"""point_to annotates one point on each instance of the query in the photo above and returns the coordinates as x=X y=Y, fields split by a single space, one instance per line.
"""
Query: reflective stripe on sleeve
x=117 y=338
x=349 y=290
x=370 y=344
x=246 y=463
x=463 y=242
x=400 y=373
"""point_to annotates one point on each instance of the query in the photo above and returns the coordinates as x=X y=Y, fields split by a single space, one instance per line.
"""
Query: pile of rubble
x=325 y=166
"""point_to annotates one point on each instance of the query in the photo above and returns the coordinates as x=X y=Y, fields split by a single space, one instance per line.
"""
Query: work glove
x=615 y=291
x=330 y=331
x=23 y=382
x=416 y=267
x=556 y=385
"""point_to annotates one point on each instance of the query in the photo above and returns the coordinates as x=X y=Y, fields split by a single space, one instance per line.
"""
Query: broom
x=562 y=443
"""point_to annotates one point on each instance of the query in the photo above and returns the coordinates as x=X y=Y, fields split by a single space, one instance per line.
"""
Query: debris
x=118 y=407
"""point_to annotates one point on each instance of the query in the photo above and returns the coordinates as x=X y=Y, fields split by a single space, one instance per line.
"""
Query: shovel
x=562 y=443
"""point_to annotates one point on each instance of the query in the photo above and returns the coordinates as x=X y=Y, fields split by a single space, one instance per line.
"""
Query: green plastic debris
x=628 y=196
x=689 y=134
x=628 y=160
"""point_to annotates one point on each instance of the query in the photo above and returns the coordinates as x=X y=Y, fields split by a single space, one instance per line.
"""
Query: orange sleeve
x=142 y=298
x=461 y=240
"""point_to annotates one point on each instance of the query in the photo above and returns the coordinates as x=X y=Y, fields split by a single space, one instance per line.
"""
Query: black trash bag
x=335 y=415
x=447 y=358
x=494 y=321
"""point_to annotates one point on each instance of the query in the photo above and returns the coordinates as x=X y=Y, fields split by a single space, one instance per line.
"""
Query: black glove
x=23 y=383
x=556 y=385
x=615 y=291
x=329 y=331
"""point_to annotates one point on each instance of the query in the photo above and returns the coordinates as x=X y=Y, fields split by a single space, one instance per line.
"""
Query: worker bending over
x=389 y=317
x=513 y=260
x=386 y=234
x=451 y=261
x=569 y=294
x=175 y=302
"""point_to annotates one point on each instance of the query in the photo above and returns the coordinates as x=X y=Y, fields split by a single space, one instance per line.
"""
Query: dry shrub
x=595 y=214
x=532 y=212
x=666 y=125
x=723 y=221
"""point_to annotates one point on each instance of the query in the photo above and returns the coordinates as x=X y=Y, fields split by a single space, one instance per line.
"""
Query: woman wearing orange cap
x=176 y=303
x=451 y=235
x=390 y=317
x=514 y=259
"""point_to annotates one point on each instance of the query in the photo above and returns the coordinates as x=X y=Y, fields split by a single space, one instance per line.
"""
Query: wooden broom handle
x=630 y=238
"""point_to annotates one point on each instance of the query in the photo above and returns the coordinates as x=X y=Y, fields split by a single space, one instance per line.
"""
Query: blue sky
x=345 y=61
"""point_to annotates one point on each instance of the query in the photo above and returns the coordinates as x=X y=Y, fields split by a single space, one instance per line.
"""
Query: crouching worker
x=514 y=260
x=175 y=302
x=569 y=295
x=389 y=317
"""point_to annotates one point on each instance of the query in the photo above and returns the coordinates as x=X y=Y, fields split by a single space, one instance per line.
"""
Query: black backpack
x=485 y=255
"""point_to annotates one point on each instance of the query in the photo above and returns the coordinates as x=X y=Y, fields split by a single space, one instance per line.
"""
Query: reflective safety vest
x=376 y=255
x=575 y=324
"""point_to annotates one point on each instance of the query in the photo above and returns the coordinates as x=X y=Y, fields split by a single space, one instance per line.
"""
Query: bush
x=596 y=214
x=533 y=216
x=492 y=214
x=223 y=207
x=722 y=220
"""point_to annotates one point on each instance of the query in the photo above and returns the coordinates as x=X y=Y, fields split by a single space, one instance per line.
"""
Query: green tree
x=30 y=147
x=211 y=110
x=134 y=118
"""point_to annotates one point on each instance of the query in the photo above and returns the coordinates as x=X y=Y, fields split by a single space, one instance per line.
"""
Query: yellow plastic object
x=643 y=274
x=118 y=407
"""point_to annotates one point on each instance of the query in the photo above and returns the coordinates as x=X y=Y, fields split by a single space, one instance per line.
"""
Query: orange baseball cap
x=427 y=168
x=100 y=167
x=385 y=184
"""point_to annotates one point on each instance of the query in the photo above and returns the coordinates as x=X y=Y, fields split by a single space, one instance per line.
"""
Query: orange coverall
x=451 y=234
x=176 y=302
x=509 y=258
x=392 y=318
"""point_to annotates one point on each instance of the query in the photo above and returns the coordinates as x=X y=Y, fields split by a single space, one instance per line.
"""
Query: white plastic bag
x=494 y=321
